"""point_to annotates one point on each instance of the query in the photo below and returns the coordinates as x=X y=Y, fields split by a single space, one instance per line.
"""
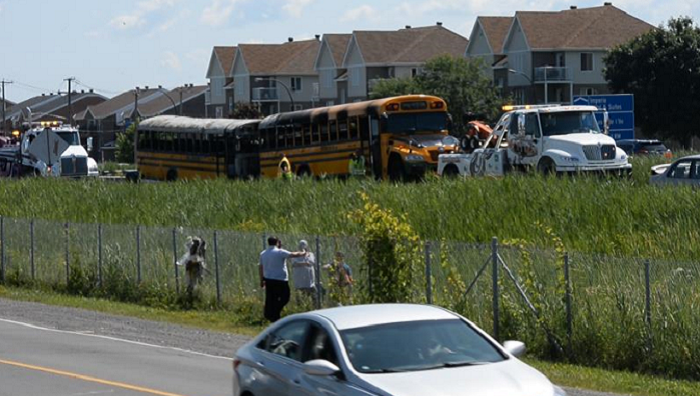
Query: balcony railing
x=550 y=74
x=266 y=94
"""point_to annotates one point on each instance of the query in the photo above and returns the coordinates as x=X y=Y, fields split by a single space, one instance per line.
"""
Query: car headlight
x=569 y=159
x=414 y=158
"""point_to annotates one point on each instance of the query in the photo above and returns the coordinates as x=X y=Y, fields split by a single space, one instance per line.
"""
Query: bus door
x=375 y=144
x=248 y=155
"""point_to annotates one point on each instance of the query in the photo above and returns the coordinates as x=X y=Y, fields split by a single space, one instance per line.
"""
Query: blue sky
x=115 y=45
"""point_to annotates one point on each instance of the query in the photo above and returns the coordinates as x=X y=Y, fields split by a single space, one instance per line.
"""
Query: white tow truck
x=49 y=149
x=547 y=138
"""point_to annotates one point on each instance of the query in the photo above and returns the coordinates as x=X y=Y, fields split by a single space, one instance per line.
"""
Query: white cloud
x=296 y=8
x=365 y=11
x=171 y=60
x=218 y=12
x=138 y=17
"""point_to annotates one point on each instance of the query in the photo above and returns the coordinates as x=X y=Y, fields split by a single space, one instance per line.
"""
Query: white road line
x=30 y=326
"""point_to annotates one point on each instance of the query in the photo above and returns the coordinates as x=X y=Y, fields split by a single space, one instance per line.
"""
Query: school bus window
x=197 y=147
x=298 y=136
x=333 y=130
x=168 y=142
x=342 y=130
x=315 y=136
x=324 y=132
x=353 y=129
x=176 y=142
x=206 y=148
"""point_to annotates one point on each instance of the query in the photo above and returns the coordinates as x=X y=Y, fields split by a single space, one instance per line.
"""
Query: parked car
x=644 y=147
x=386 y=349
x=685 y=171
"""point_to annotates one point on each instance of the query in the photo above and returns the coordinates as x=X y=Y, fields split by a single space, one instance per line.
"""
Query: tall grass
x=614 y=217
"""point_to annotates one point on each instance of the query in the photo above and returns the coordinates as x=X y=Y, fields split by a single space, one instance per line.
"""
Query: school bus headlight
x=414 y=158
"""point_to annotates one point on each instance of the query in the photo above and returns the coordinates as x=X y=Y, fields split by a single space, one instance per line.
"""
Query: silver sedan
x=386 y=349
x=685 y=171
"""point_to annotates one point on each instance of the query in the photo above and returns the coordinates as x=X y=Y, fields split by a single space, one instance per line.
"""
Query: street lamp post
x=517 y=72
x=165 y=93
x=289 y=92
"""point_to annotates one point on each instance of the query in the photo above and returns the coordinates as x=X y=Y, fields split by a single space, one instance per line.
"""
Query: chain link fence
x=586 y=307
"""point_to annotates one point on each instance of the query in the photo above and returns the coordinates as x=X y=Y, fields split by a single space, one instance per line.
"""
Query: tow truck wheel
x=171 y=176
x=451 y=172
x=546 y=167
x=396 y=169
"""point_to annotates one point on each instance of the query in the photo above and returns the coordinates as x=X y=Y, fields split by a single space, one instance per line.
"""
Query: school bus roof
x=180 y=124
x=372 y=107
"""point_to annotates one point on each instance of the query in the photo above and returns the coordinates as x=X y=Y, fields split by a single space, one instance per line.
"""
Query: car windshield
x=416 y=346
x=71 y=137
x=563 y=123
x=408 y=123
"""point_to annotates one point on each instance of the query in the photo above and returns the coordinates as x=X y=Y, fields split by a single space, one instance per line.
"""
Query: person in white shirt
x=303 y=272
x=274 y=278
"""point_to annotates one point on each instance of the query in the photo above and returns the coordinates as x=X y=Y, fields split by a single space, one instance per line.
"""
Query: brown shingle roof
x=586 y=28
x=414 y=45
x=292 y=58
x=226 y=56
x=338 y=44
x=121 y=101
x=161 y=103
x=496 y=29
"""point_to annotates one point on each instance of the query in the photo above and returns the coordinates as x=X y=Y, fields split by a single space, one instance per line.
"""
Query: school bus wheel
x=171 y=176
x=397 y=171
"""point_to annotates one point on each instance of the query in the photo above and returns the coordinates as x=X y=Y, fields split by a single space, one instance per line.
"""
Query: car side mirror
x=320 y=367
x=515 y=348
x=521 y=125
x=606 y=123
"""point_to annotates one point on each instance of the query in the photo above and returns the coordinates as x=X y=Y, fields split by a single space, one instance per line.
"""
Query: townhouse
x=277 y=77
x=51 y=107
x=550 y=57
x=220 y=101
x=333 y=78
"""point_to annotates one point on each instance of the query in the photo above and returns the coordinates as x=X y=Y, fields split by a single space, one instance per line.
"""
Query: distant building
x=486 y=42
x=549 y=57
x=373 y=56
x=333 y=77
x=52 y=107
x=277 y=77
x=220 y=101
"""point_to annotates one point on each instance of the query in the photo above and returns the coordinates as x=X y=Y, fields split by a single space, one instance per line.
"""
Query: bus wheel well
x=171 y=176
x=397 y=171
x=451 y=171
x=304 y=170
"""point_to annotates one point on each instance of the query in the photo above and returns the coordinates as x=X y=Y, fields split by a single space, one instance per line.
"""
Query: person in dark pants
x=274 y=278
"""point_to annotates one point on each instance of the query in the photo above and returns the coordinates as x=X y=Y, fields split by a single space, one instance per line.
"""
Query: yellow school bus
x=400 y=138
x=171 y=148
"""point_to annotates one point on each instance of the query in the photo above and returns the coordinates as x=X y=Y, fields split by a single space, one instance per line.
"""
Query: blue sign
x=620 y=109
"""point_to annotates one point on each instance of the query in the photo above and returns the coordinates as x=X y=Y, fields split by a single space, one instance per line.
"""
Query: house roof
x=161 y=103
x=338 y=44
x=124 y=101
x=46 y=104
x=584 y=28
x=291 y=58
x=414 y=45
x=226 y=55
x=8 y=104
x=496 y=29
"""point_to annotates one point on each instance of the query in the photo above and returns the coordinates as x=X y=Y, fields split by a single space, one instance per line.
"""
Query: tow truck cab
x=64 y=158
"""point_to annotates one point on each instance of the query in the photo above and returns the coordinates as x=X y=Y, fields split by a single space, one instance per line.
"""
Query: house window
x=219 y=112
x=588 y=91
x=586 y=62
x=414 y=72
x=330 y=103
x=298 y=107
x=296 y=84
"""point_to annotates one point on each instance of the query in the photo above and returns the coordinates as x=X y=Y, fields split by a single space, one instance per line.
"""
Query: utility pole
x=4 y=123
x=180 y=90
x=70 y=99
x=135 y=120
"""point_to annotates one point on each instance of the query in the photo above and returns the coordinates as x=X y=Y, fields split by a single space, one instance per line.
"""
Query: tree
x=246 y=111
x=124 y=145
x=662 y=69
x=459 y=81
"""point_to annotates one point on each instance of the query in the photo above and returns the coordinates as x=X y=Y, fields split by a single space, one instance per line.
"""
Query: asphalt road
x=54 y=351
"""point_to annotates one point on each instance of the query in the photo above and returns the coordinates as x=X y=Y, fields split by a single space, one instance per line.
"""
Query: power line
x=95 y=89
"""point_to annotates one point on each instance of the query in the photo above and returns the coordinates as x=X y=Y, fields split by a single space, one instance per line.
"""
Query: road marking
x=91 y=334
x=88 y=378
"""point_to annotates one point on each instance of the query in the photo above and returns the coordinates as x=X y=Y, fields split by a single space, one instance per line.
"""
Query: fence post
x=317 y=276
x=496 y=314
x=138 y=254
x=99 y=254
x=67 y=254
x=216 y=267
x=647 y=278
x=569 y=317
x=2 y=249
x=428 y=275
x=177 y=274
x=31 y=249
